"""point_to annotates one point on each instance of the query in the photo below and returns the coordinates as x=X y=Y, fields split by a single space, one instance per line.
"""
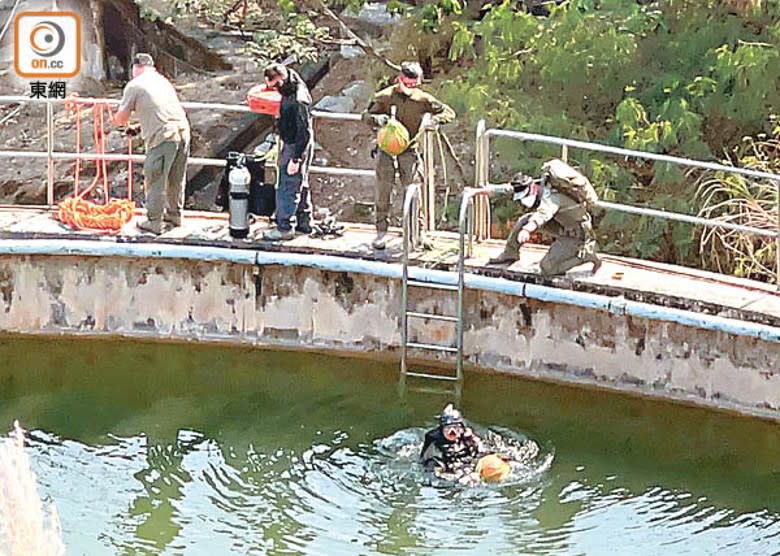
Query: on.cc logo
x=47 y=44
x=47 y=39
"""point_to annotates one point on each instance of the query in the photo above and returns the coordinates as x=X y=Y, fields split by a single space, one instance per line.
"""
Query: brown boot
x=152 y=226
x=503 y=257
x=379 y=242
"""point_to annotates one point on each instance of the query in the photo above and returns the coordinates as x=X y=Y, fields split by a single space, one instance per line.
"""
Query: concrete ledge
x=295 y=300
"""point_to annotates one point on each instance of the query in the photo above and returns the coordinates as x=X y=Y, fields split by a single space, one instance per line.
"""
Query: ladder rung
x=432 y=347
x=432 y=285
x=443 y=390
x=432 y=316
x=434 y=377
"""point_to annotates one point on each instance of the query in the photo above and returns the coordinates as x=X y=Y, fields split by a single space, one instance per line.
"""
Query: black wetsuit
x=438 y=452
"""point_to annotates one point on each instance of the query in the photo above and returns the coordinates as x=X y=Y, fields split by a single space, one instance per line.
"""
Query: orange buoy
x=492 y=468
x=393 y=138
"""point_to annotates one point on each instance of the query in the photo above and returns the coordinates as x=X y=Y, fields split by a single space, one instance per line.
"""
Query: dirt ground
x=343 y=144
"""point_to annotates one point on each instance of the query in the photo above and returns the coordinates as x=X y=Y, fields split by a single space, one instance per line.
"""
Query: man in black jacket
x=293 y=197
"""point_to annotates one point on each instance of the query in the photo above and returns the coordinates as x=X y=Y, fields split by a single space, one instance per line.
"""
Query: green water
x=193 y=449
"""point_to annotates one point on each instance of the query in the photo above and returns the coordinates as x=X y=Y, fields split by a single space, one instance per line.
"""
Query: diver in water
x=452 y=445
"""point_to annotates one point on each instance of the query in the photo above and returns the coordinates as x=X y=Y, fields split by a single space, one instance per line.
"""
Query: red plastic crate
x=264 y=101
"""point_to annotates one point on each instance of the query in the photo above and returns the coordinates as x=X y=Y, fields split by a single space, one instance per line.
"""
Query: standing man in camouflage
x=411 y=104
x=565 y=217
x=166 y=134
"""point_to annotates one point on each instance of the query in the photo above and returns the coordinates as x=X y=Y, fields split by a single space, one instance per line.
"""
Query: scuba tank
x=239 y=179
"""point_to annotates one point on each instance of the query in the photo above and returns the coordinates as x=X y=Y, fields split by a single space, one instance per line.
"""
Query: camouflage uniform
x=410 y=110
x=570 y=223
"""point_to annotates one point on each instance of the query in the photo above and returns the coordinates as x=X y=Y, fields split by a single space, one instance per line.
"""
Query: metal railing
x=466 y=223
x=482 y=178
x=51 y=155
x=411 y=236
x=479 y=221
x=413 y=228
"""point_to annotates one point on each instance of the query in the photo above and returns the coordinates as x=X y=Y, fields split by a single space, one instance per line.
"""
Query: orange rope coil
x=80 y=213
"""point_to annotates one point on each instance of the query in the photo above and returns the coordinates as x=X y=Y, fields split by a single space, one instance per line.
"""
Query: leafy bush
x=682 y=77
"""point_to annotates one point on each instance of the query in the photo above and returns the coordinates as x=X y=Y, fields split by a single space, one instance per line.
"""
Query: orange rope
x=80 y=213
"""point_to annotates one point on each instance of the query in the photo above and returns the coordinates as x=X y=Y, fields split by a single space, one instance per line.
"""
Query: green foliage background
x=693 y=78
x=682 y=77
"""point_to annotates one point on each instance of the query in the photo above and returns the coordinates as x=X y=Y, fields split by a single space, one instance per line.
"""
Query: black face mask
x=288 y=88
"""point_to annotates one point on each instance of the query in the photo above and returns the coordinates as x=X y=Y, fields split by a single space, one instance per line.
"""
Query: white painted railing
x=51 y=155
x=480 y=223
x=483 y=178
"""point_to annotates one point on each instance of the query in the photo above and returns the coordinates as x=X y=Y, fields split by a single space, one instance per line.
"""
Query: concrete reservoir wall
x=310 y=302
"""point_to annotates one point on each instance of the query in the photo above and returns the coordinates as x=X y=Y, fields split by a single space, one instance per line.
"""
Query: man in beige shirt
x=166 y=134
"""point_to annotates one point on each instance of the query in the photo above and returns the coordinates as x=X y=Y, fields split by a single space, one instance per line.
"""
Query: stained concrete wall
x=297 y=307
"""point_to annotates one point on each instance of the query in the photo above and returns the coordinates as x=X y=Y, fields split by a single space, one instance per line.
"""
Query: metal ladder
x=473 y=219
x=411 y=238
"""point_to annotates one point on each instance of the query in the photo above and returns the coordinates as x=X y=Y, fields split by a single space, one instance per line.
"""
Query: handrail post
x=429 y=174
x=49 y=154
x=481 y=213
x=478 y=151
x=462 y=230
x=411 y=235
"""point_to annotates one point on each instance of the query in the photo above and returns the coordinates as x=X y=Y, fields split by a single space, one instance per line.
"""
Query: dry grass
x=26 y=526
x=746 y=201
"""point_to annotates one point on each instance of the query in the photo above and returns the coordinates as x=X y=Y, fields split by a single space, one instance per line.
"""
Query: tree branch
x=320 y=7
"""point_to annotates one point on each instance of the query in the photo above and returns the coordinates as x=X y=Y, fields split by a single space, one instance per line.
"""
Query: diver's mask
x=453 y=432
x=451 y=423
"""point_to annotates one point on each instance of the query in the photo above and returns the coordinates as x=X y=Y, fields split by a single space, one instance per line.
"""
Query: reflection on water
x=152 y=448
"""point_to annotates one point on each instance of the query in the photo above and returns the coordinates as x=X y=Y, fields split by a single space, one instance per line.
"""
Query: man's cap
x=143 y=59
x=521 y=184
x=450 y=416
x=412 y=70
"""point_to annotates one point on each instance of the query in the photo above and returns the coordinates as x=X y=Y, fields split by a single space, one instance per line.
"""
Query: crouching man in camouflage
x=560 y=202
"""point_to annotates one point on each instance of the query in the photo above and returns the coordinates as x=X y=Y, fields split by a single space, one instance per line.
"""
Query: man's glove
x=133 y=130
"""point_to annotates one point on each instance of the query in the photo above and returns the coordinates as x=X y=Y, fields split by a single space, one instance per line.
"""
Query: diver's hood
x=450 y=416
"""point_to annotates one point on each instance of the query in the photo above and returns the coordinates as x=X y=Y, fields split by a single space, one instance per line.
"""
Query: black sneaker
x=305 y=229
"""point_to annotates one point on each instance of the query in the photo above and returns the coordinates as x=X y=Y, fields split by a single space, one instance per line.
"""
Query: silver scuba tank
x=238 y=204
